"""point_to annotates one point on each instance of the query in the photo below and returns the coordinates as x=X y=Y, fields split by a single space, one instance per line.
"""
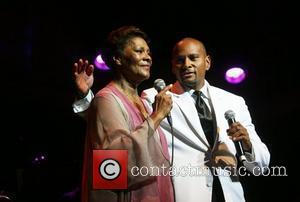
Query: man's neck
x=196 y=87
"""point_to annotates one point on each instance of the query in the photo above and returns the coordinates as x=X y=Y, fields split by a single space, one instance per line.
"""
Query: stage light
x=100 y=64
x=4 y=198
x=235 y=75
x=39 y=158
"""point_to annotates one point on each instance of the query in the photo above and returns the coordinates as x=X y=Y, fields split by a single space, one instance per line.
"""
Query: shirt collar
x=204 y=90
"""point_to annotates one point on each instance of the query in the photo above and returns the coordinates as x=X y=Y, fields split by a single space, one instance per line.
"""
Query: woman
x=118 y=119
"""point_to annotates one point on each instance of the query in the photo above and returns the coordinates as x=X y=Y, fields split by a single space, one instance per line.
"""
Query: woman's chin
x=146 y=75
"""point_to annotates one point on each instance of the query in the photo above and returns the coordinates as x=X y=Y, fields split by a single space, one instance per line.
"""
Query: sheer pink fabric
x=113 y=122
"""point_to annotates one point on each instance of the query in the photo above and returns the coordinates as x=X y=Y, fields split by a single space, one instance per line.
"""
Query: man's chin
x=189 y=83
x=189 y=80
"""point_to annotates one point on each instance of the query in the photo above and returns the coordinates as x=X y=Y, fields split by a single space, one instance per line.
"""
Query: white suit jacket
x=191 y=148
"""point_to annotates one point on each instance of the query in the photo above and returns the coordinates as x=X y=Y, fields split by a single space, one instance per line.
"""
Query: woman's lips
x=147 y=67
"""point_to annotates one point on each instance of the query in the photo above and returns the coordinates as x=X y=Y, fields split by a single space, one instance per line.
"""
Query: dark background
x=40 y=42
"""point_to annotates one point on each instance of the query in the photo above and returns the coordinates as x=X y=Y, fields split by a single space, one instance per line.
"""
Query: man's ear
x=117 y=60
x=207 y=62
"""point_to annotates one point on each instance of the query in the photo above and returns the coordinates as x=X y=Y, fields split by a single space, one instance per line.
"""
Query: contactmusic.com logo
x=110 y=169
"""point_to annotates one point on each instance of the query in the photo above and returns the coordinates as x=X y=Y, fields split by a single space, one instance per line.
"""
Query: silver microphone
x=160 y=84
x=230 y=117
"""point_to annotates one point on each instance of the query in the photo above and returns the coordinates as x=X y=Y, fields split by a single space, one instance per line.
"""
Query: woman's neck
x=131 y=92
x=126 y=87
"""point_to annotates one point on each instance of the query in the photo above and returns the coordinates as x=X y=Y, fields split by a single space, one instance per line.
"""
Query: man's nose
x=187 y=62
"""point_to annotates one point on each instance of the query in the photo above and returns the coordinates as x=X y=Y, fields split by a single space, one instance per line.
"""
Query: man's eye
x=180 y=60
x=194 y=58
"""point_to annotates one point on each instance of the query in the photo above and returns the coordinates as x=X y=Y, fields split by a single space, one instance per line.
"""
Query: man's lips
x=187 y=74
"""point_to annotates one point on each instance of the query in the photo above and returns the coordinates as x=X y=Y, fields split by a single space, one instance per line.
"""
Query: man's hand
x=237 y=132
x=83 y=76
x=222 y=157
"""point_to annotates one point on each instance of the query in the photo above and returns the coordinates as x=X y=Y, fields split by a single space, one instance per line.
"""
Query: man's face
x=189 y=63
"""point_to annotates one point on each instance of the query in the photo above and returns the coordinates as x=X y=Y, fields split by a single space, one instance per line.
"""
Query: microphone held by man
x=230 y=117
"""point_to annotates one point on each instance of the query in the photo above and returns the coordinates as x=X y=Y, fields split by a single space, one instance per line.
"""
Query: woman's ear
x=117 y=60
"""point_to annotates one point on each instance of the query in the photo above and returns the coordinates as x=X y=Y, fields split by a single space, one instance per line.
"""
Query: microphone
x=230 y=117
x=160 y=84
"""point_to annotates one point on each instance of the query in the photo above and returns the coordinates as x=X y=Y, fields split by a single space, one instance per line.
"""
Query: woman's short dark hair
x=117 y=40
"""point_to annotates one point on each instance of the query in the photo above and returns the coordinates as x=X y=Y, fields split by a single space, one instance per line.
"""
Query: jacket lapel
x=185 y=103
x=213 y=99
x=219 y=105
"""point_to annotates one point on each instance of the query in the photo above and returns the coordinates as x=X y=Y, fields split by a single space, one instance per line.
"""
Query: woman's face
x=136 y=60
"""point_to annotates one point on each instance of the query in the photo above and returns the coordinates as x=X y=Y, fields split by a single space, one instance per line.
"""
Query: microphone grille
x=159 y=84
x=229 y=114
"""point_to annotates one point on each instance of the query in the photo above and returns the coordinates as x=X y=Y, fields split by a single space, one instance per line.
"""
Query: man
x=191 y=146
x=201 y=146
